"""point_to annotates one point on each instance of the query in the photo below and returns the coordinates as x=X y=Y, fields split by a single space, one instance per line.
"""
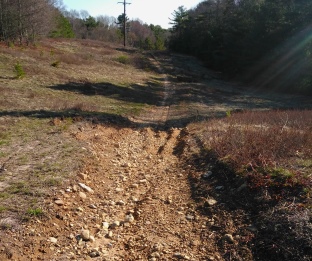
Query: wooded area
x=266 y=42
x=25 y=21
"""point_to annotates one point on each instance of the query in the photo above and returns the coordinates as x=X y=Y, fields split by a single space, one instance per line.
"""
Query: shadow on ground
x=95 y=117
x=102 y=118
x=149 y=93
x=265 y=228
x=213 y=94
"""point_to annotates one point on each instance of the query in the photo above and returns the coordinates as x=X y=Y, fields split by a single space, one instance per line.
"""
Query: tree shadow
x=95 y=117
x=127 y=50
x=150 y=93
x=267 y=236
x=103 y=118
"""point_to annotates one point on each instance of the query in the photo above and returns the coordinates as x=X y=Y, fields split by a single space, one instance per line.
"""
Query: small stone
x=75 y=188
x=229 y=238
x=143 y=181
x=134 y=185
x=79 y=209
x=53 y=240
x=219 y=187
x=129 y=218
x=157 y=247
x=211 y=202
x=59 y=202
x=189 y=217
x=168 y=200
x=82 y=195
x=85 y=187
x=85 y=234
x=105 y=225
x=134 y=199
x=124 y=179
x=155 y=254
x=83 y=176
x=120 y=203
x=119 y=189
x=111 y=203
x=115 y=224
x=194 y=242
x=92 y=206
x=110 y=234
x=126 y=165
x=94 y=253
x=92 y=239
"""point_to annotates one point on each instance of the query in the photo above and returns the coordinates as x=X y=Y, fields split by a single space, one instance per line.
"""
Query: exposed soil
x=149 y=199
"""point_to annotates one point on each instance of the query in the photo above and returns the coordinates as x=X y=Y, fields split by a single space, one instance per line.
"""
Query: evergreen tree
x=63 y=28
x=250 y=39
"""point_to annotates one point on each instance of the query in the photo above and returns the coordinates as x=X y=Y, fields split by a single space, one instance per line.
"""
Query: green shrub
x=20 y=73
x=35 y=212
x=124 y=59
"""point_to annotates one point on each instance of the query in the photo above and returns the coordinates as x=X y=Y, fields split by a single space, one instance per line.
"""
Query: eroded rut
x=131 y=201
x=140 y=206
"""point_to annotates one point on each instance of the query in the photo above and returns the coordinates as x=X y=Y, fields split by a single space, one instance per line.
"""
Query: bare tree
x=24 y=20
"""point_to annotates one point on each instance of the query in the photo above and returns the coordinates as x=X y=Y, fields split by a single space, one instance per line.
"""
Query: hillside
x=109 y=153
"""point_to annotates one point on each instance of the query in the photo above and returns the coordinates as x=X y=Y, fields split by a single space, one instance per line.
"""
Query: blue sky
x=149 y=11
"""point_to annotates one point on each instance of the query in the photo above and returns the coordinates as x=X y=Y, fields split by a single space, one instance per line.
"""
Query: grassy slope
x=64 y=81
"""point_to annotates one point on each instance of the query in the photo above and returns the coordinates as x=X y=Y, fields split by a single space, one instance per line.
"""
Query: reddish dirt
x=131 y=171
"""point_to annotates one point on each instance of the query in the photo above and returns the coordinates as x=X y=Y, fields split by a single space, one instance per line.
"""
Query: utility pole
x=125 y=19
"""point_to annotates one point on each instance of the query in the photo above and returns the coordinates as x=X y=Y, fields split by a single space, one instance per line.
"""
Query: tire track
x=158 y=115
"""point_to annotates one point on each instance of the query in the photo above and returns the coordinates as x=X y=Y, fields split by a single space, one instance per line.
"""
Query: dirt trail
x=136 y=181
x=132 y=201
x=158 y=115
x=134 y=198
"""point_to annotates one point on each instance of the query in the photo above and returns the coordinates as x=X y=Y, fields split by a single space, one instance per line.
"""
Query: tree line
x=266 y=42
x=25 y=21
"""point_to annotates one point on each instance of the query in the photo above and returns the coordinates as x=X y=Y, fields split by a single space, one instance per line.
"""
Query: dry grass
x=272 y=150
x=36 y=154
x=265 y=161
x=261 y=140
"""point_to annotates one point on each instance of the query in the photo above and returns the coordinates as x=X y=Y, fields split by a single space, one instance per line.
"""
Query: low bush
x=35 y=212
x=265 y=145
x=19 y=71
x=124 y=59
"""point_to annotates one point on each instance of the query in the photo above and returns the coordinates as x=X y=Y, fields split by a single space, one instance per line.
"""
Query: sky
x=148 y=11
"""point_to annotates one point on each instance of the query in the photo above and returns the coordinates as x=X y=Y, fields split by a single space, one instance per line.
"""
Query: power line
x=125 y=19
